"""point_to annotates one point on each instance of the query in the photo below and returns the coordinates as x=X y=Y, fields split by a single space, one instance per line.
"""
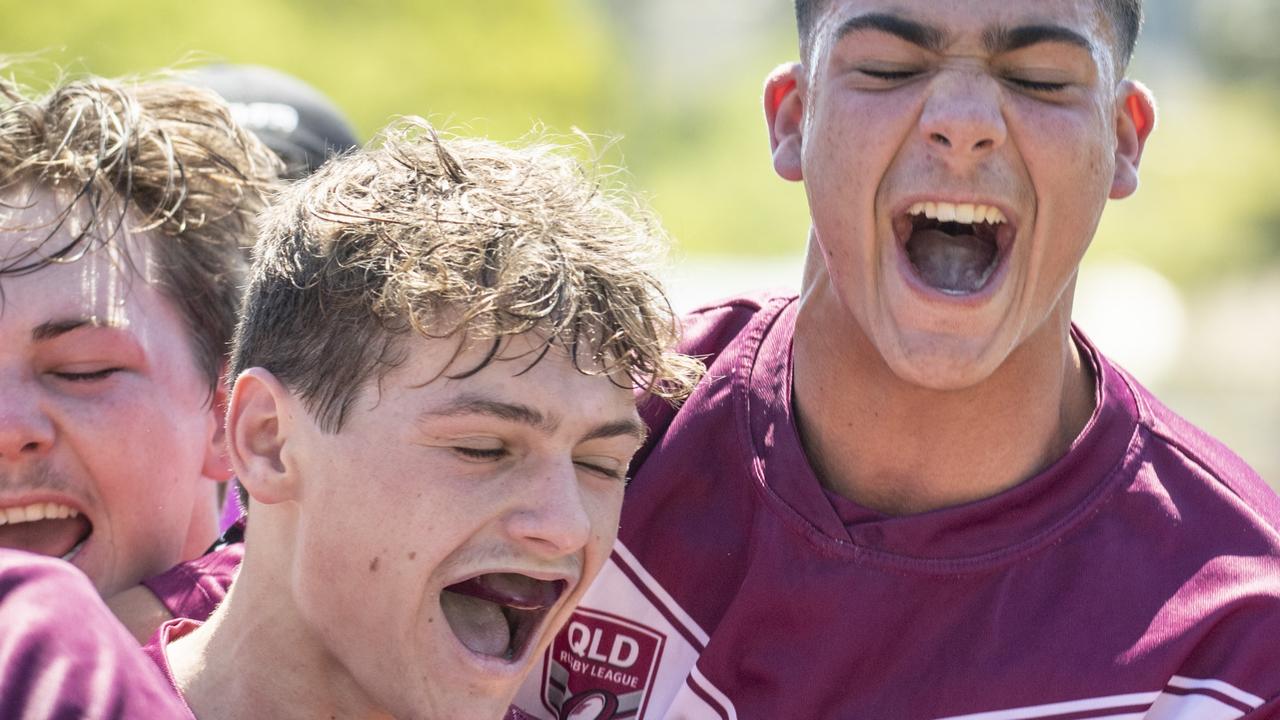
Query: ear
x=1135 y=119
x=258 y=427
x=216 y=465
x=784 y=114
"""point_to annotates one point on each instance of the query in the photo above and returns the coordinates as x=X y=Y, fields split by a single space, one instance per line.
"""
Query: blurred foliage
x=498 y=68
x=488 y=66
x=1238 y=37
x=1207 y=202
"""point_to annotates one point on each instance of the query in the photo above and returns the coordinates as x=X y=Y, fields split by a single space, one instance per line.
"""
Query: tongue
x=478 y=623
x=511 y=589
x=957 y=264
x=48 y=537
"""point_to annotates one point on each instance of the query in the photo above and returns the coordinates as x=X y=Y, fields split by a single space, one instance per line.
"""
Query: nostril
x=984 y=144
x=940 y=139
x=31 y=447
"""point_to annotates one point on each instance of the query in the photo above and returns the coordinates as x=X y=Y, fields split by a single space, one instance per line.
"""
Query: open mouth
x=499 y=614
x=954 y=248
x=49 y=529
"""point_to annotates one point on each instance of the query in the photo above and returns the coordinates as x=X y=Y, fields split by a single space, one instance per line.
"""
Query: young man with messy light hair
x=432 y=417
x=124 y=207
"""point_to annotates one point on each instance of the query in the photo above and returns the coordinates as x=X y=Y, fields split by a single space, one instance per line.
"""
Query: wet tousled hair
x=1126 y=17
x=458 y=238
x=131 y=157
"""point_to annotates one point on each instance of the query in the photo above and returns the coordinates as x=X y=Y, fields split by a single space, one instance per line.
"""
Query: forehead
x=523 y=371
x=958 y=20
x=109 y=279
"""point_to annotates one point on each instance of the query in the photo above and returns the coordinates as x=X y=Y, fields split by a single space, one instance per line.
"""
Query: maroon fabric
x=63 y=655
x=1138 y=574
x=193 y=589
x=167 y=633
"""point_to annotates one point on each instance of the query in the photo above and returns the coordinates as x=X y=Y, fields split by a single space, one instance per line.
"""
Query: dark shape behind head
x=292 y=118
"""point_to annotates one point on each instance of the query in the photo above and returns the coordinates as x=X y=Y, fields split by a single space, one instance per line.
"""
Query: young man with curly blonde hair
x=433 y=416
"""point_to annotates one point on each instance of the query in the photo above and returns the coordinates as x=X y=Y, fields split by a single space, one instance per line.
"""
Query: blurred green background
x=678 y=83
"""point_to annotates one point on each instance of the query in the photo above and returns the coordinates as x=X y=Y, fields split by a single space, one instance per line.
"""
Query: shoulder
x=1180 y=452
x=194 y=588
x=709 y=329
x=716 y=333
x=62 y=653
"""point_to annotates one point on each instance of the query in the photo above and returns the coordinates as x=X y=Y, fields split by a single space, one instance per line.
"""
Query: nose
x=551 y=519
x=26 y=431
x=962 y=118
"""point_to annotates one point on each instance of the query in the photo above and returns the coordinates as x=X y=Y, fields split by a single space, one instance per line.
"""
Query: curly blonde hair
x=462 y=238
x=134 y=156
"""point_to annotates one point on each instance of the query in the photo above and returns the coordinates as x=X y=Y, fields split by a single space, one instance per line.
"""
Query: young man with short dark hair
x=917 y=491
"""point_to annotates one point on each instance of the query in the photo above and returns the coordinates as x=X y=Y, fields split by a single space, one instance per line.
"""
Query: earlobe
x=257 y=430
x=1135 y=119
x=784 y=115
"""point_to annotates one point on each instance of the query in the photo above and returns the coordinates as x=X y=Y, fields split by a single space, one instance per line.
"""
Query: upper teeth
x=958 y=212
x=36 y=511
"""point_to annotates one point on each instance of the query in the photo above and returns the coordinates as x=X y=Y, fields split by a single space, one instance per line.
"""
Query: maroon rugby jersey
x=1137 y=577
x=63 y=655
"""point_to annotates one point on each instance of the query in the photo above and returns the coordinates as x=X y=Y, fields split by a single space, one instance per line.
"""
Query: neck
x=256 y=658
x=901 y=449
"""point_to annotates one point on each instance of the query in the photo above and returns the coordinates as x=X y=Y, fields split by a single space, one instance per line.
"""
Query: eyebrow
x=526 y=415
x=56 y=328
x=997 y=40
x=477 y=405
x=620 y=428
x=1005 y=39
x=930 y=38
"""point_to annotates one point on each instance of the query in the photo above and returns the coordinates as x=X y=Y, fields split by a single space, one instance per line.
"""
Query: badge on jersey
x=600 y=667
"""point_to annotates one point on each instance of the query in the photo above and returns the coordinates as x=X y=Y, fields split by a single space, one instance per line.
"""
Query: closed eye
x=619 y=474
x=481 y=454
x=87 y=376
x=889 y=75
x=1037 y=85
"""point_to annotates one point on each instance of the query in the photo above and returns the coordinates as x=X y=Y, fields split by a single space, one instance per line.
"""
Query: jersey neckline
x=964 y=538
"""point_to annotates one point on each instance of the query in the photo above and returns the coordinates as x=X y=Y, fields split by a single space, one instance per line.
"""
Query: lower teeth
x=75 y=549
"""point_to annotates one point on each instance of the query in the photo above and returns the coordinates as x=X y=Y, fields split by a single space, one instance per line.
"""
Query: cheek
x=854 y=137
x=1066 y=148
x=605 y=509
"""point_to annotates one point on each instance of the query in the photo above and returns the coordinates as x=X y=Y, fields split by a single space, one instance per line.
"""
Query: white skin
x=430 y=481
x=944 y=399
x=105 y=409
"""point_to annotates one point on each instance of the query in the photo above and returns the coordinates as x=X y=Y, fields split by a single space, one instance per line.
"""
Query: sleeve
x=63 y=655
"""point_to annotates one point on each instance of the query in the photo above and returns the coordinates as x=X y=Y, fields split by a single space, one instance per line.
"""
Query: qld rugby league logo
x=600 y=667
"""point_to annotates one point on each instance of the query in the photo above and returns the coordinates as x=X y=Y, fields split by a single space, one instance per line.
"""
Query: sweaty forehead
x=46 y=227
x=950 y=22
x=57 y=262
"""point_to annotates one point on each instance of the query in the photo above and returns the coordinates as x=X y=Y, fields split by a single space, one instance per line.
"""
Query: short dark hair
x=1126 y=15
x=463 y=238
